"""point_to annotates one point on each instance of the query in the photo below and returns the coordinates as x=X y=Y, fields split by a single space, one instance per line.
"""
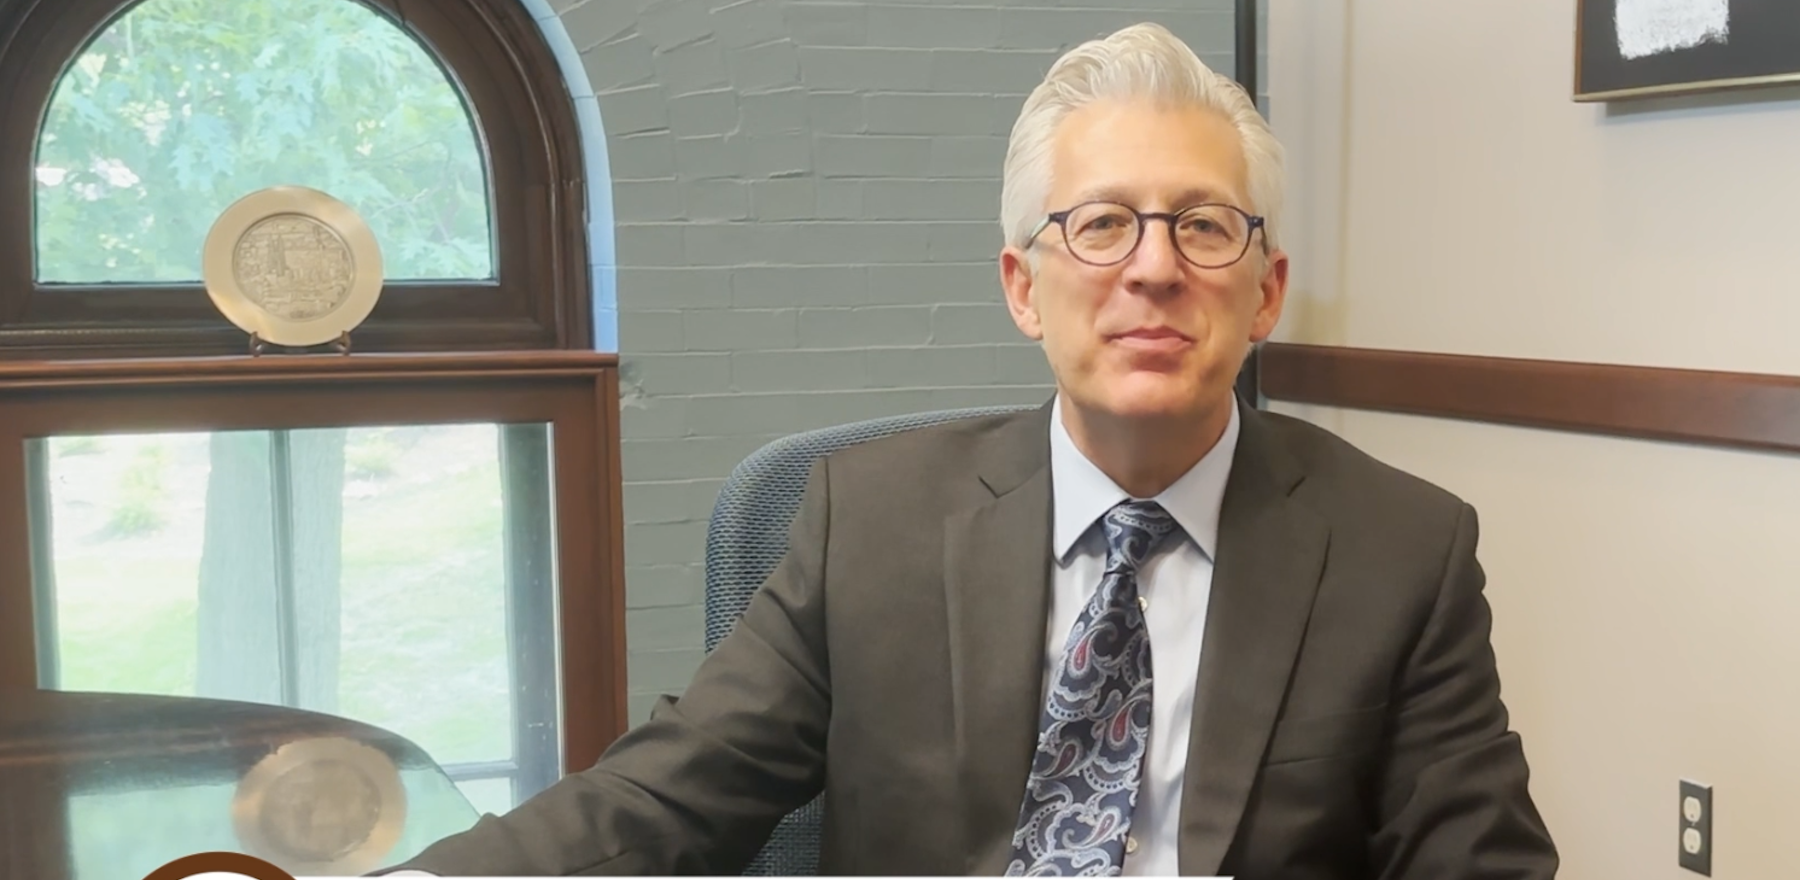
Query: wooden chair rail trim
x=1735 y=410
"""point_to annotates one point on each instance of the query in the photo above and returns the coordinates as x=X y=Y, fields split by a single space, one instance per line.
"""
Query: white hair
x=1144 y=61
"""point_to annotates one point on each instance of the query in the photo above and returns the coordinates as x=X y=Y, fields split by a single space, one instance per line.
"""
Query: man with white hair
x=1143 y=629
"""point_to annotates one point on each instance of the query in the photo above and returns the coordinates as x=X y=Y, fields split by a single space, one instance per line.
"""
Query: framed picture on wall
x=1634 y=48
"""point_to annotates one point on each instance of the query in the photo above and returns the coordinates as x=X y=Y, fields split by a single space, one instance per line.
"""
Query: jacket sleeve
x=1454 y=799
x=698 y=787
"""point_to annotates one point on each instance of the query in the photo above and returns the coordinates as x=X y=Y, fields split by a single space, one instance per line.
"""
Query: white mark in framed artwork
x=1656 y=27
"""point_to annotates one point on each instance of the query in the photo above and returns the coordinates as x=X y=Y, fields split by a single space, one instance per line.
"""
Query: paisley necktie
x=1096 y=719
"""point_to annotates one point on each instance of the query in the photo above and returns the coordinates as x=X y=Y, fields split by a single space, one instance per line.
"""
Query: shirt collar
x=1083 y=494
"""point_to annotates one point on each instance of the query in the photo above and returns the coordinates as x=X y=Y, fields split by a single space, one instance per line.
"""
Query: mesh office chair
x=747 y=537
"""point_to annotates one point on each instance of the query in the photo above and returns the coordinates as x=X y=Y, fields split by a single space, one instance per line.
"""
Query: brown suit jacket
x=1347 y=719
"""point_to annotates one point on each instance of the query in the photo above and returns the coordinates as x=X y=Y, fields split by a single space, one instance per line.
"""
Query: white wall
x=1447 y=195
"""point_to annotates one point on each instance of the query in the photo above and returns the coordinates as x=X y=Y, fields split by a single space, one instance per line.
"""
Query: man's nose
x=1156 y=264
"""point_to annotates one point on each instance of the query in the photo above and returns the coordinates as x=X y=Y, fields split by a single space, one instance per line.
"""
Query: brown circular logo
x=219 y=862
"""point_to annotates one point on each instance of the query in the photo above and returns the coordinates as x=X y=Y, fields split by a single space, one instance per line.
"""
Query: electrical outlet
x=1696 y=827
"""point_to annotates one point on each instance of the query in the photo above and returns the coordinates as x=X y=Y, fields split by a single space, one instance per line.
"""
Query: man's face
x=1153 y=336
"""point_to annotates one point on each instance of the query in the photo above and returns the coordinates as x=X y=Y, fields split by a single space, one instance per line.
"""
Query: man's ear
x=1017 y=281
x=1273 y=286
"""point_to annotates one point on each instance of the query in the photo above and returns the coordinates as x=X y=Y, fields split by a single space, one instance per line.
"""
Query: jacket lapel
x=1271 y=553
x=997 y=583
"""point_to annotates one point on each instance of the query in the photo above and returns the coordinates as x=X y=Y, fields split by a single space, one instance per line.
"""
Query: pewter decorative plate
x=293 y=266
x=321 y=807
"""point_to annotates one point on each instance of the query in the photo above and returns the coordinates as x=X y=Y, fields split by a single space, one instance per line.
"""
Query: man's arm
x=698 y=788
x=1453 y=800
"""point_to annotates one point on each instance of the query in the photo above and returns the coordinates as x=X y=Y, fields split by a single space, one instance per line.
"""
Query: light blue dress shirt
x=1174 y=585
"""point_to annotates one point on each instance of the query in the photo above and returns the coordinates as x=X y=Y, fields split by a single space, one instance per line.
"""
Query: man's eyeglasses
x=1210 y=236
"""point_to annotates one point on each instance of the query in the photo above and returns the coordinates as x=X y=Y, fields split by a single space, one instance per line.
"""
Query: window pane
x=488 y=795
x=399 y=576
x=181 y=107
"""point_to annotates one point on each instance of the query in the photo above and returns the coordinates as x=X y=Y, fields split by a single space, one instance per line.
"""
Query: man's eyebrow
x=1200 y=195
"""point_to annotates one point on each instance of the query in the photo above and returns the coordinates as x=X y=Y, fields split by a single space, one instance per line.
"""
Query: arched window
x=180 y=107
x=131 y=126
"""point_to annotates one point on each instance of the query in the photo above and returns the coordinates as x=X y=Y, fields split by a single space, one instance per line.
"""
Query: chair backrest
x=745 y=540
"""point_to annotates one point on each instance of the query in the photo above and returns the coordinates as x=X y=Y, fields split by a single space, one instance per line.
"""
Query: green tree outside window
x=181 y=107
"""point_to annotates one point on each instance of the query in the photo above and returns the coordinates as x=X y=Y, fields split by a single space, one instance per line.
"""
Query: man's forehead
x=1134 y=152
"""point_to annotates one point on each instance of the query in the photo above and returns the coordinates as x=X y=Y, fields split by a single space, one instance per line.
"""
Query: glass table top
x=97 y=786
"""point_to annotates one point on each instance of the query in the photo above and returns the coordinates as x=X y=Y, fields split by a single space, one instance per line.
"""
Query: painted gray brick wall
x=806 y=197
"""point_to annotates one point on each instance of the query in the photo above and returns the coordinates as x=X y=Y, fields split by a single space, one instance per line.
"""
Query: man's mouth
x=1153 y=339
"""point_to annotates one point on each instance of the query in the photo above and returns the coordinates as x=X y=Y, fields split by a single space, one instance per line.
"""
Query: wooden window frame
x=576 y=393
x=526 y=125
